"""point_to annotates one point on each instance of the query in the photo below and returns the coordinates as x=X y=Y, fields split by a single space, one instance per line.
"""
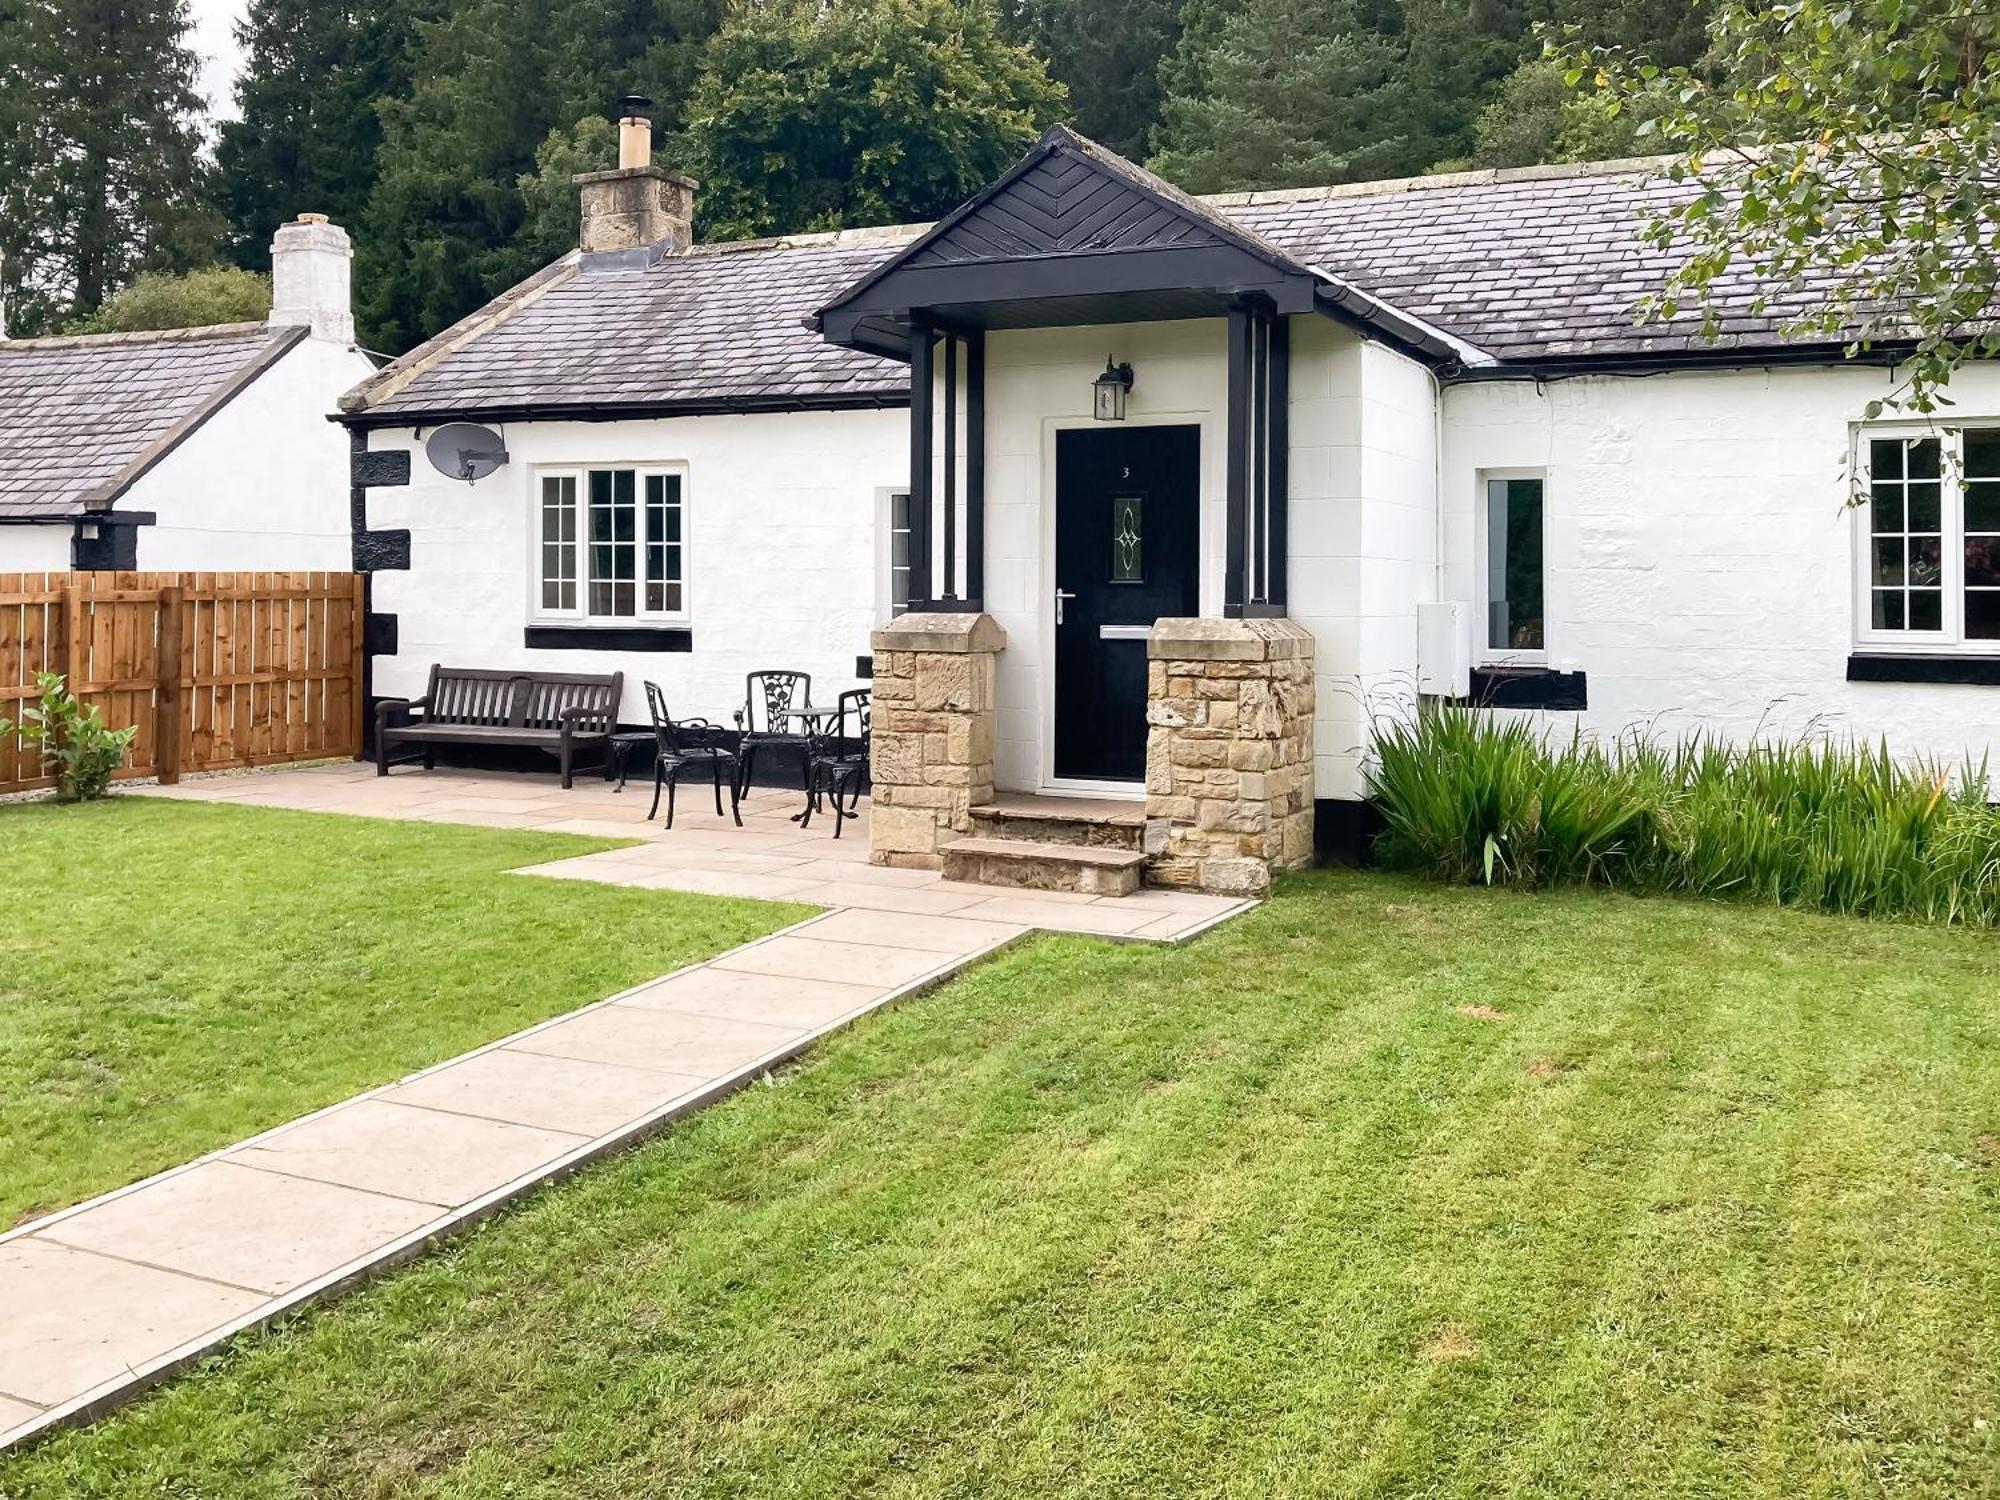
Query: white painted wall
x=1700 y=561
x=1038 y=382
x=263 y=484
x=36 y=549
x=783 y=515
x=1363 y=531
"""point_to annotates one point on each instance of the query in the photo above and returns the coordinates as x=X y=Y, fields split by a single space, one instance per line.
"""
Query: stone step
x=1062 y=820
x=1029 y=866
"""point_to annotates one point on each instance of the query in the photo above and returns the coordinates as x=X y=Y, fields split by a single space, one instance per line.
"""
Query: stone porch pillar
x=934 y=733
x=1229 y=753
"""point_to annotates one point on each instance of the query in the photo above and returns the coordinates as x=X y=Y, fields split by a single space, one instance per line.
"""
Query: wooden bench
x=554 y=711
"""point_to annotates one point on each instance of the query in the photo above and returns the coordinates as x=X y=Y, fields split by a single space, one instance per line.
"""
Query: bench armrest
x=570 y=716
x=388 y=706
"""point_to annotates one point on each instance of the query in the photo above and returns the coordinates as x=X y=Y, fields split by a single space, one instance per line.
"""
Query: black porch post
x=1236 y=492
x=975 y=469
x=920 y=468
x=1278 y=475
x=948 y=512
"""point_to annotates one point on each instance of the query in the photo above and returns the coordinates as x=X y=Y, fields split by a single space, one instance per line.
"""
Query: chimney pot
x=312 y=269
x=635 y=132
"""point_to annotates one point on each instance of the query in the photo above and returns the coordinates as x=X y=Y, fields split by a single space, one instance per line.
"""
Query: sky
x=215 y=45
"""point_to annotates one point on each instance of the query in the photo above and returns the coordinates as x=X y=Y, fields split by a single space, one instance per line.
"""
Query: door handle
x=1061 y=594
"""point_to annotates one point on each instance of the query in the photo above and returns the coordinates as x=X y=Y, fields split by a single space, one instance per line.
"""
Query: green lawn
x=1706 y=1202
x=176 y=975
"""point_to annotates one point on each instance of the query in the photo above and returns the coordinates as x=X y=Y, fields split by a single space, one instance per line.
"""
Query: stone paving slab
x=120 y=1292
x=76 y=1319
x=231 y=1223
x=422 y=1155
x=547 y=1091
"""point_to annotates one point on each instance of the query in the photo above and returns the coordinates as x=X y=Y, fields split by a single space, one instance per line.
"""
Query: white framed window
x=1927 y=539
x=1513 y=567
x=611 y=544
x=893 y=526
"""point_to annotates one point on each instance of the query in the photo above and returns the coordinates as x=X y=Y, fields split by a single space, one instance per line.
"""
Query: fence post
x=73 y=652
x=359 y=666
x=167 y=689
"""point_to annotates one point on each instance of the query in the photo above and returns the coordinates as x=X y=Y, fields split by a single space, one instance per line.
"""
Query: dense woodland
x=443 y=133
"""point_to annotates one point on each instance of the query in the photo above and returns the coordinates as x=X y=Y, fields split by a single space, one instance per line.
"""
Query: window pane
x=1924 y=506
x=1885 y=509
x=1888 y=611
x=1926 y=560
x=1924 y=458
x=1926 y=609
x=1885 y=458
x=1982 y=614
x=1514 y=564
x=1128 y=537
x=1982 y=454
x=899 y=554
x=1888 y=560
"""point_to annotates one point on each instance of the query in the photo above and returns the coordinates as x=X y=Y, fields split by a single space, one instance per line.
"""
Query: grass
x=1386 y=1189
x=174 y=976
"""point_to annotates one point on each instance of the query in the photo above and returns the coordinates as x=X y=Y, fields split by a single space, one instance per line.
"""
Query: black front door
x=1128 y=549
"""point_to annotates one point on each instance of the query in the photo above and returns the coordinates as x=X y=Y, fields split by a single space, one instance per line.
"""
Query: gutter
x=703 y=406
x=1668 y=362
x=1434 y=343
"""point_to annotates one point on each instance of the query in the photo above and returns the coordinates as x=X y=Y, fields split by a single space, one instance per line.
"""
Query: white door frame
x=1208 y=572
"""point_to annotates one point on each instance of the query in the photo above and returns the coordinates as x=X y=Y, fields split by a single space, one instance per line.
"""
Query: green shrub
x=1469 y=795
x=76 y=746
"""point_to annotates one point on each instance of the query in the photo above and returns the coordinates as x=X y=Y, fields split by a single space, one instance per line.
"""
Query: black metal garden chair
x=684 y=745
x=837 y=758
x=765 y=718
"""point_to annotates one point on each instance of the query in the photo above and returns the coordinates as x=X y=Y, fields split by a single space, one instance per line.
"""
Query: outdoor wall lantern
x=1110 y=389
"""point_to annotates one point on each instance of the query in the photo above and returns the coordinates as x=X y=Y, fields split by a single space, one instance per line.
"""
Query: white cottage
x=192 y=448
x=1414 y=419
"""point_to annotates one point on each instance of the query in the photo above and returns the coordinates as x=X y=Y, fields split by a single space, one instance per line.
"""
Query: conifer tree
x=1278 y=93
x=1107 y=53
x=101 y=170
x=309 y=126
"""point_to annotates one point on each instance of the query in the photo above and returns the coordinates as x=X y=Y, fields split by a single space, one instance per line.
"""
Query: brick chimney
x=312 y=266
x=639 y=204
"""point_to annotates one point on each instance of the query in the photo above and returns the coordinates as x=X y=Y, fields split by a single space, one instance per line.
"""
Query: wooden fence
x=215 y=669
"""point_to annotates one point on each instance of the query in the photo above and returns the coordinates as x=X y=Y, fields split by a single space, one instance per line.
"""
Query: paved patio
x=112 y=1295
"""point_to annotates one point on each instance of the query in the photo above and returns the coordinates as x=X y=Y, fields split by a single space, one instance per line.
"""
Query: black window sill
x=1528 y=687
x=1978 y=671
x=609 y=638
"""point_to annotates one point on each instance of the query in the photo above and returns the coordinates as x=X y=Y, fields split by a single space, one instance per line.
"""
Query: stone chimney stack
x=312 y=273
x=639 y=204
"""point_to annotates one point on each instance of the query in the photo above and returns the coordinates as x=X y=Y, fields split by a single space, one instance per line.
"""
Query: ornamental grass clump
x=1473 y=796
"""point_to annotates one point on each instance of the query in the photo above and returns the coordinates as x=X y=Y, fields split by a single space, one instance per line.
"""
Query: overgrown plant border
x=1470 y=795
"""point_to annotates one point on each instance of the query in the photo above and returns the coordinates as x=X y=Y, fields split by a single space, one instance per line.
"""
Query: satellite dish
x=465 y=450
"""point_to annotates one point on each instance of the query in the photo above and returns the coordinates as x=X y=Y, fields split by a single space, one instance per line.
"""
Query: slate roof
x=1529 y=266
x=1537 y=264
x=81 y=418
x=718 y=325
